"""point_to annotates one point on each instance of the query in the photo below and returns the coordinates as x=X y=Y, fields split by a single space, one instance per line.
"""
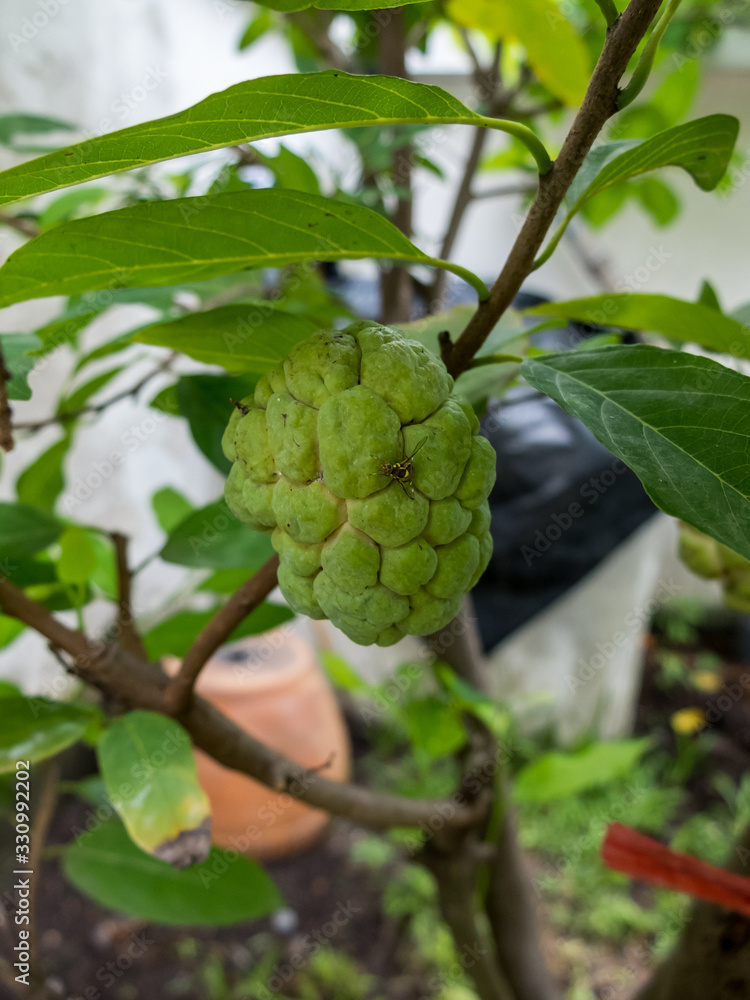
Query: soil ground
x=78 y=938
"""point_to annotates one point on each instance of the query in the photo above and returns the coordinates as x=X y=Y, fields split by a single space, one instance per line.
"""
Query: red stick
x=649 y=861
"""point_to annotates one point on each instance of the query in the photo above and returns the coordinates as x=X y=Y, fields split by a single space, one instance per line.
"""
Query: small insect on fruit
x=401 y=471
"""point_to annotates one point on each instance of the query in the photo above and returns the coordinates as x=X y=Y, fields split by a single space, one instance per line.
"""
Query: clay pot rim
x=223 y=678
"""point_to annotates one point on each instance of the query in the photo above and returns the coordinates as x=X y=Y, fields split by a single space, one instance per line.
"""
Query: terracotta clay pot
x=272 y=687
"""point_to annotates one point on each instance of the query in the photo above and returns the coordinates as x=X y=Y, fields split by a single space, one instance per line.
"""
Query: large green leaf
x=214 y=538
x=175 y=636
x=228 y=888
x=702 y=147
x=255 y=109
x=692 y=322
x=248 y=337
x=36 y=728
x=189 y=239
x=148 y=767
x=25 y=530
x=556 y=53
x=557 y=775
x=681 y=422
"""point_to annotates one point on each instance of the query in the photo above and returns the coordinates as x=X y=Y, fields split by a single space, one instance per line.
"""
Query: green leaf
x=247 y=337
x=681 y=422
x=10 y=629
x=104 y=574
x=291 y=171
x=64 y=329
x=255 y=109
x=494 y=714
x=557 y=775
x=556 y=53
x=692 y=322
x=8 y=690
x=205 y=401
x=25 y=530
x=80 y=396
x=13 y=125
x=149 y=772
x=340 y=673
x=255 y=30
x=709 y=297
x=163 y=242
x=41 y=483
x=67 y=205
x=434 y=726
x=166 y=401
x=175 y=636
x=226 y=581
x=170 y=508
x=17 y=351
x=658 y=200
x=78 y=560
x=228 y=888
x=36 y=728
x=702 y=147
x=214 y=538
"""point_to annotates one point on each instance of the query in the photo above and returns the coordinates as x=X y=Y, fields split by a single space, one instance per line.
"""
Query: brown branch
x=67 y=415
x=242 y=603
x=599 y=104
x=139 y=684
x=6 y=428
x=127 y=632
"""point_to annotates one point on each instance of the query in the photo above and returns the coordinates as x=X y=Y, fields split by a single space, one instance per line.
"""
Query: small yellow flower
x=707 y=680
x=688 y=721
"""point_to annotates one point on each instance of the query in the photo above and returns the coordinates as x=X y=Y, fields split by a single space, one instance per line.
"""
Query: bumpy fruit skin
x=380 y=558
x=714 y=561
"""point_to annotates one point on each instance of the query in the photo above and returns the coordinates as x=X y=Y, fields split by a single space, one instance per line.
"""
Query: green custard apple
x=714 y=561
x=371 y=475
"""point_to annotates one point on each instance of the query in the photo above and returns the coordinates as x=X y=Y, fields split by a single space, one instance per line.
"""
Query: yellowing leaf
x=556 y=53
x=149 y=772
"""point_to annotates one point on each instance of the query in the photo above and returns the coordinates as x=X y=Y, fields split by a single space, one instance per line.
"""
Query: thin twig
x=67 y=415
x=461 y=202
x=242 y=603
x=504 y=191
x=21 y=225
x=488 y=80
x=599 y=104
x=6 y=428
x=609 y=10
x=138 y=684
x=127 y=632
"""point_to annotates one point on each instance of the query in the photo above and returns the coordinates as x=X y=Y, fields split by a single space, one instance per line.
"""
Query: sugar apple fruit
x=369 y=472
x=714 y=561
